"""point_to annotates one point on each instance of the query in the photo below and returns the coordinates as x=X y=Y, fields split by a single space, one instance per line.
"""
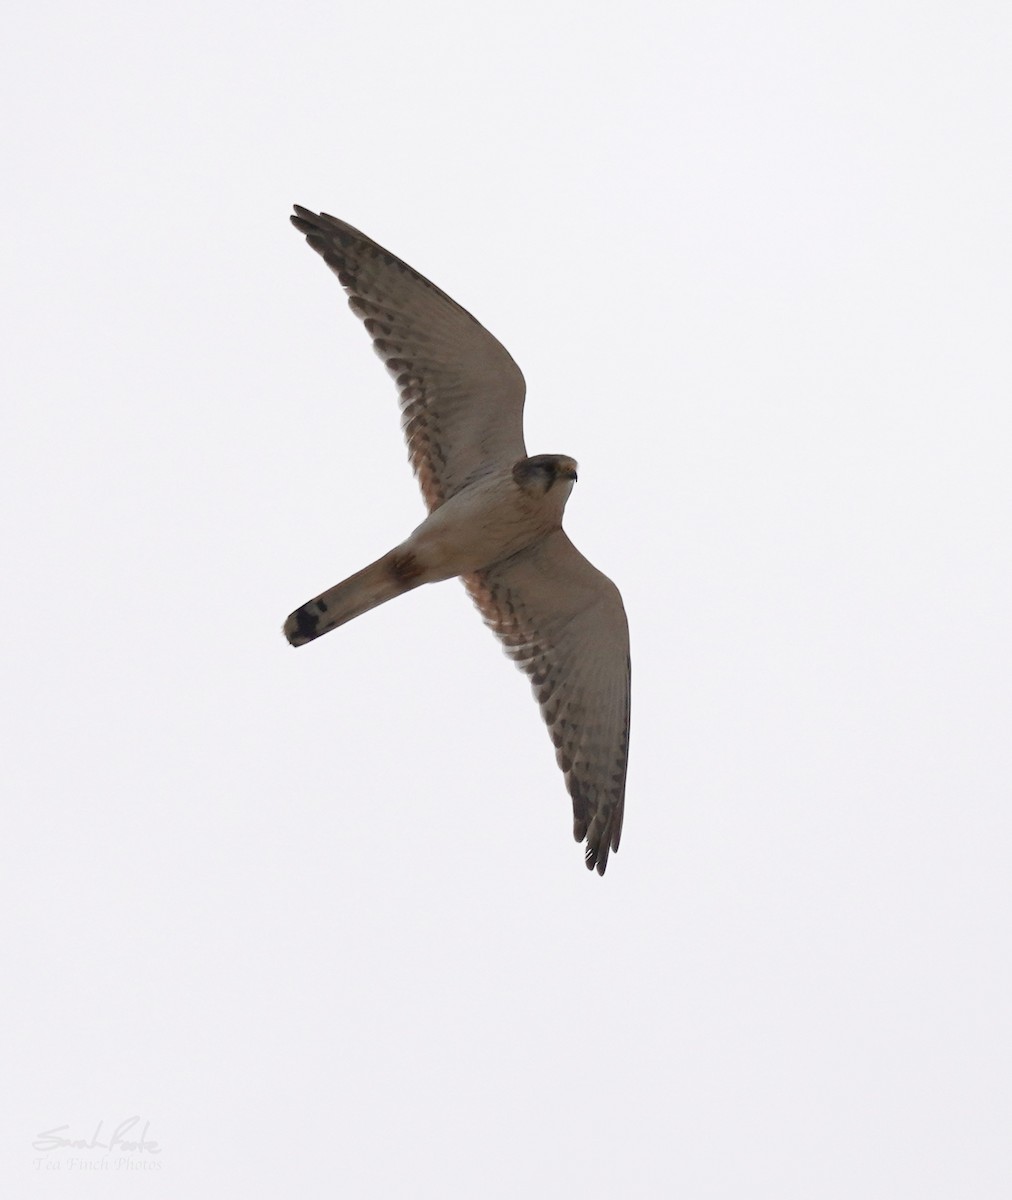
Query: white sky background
x=318 y=916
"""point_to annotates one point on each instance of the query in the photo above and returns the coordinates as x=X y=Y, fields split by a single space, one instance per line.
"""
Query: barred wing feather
x=562 y=621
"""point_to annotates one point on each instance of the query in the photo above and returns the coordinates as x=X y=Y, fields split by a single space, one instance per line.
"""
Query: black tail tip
x=302 y=626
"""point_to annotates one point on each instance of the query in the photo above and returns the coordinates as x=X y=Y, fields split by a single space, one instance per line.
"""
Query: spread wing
x=462 y=396
x=562 y=621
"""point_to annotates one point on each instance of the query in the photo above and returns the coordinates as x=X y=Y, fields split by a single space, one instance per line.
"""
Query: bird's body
x=489 y=520
x=495 y=519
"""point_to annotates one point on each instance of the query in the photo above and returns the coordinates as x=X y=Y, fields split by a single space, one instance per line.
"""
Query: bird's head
x=543 y=472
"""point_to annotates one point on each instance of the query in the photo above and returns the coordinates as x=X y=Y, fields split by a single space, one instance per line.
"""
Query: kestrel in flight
x=495 y=519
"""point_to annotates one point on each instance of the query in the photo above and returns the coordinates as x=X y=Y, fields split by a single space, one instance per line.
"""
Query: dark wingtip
x=597 y=851
x=597 y=858
x=305 y=220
